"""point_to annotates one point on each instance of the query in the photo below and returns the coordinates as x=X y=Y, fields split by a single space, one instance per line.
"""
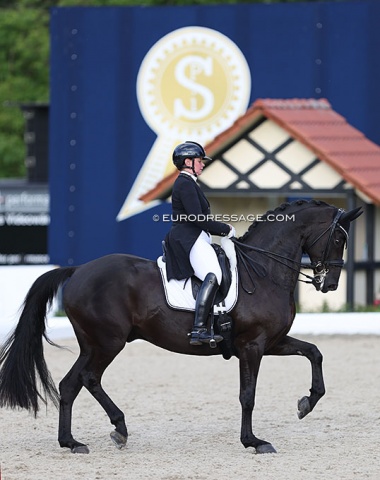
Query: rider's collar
x=194 y=177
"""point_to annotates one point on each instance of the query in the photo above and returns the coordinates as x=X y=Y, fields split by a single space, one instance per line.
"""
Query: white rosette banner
x=192 y=85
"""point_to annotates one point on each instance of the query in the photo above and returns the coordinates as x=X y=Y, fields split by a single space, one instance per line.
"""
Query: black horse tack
x=119 y=298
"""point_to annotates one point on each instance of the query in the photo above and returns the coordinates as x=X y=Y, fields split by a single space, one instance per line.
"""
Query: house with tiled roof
x=282 y=149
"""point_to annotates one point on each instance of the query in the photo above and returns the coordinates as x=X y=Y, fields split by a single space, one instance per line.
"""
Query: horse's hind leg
x=91 y=376
x=87 y=371
x=293 y=346
x=69 y=388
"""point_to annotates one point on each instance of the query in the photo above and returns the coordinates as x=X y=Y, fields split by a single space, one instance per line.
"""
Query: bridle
x=320 y=267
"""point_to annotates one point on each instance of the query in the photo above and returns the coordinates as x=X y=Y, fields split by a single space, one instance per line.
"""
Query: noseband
x=320 y=267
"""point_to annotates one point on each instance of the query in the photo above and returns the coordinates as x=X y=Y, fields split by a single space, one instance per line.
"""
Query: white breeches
x=203 y=258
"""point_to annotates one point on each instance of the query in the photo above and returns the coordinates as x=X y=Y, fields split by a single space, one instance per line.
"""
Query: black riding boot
x=203 y=305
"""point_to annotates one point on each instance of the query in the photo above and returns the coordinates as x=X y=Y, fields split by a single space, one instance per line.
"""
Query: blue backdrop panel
x=99 y=139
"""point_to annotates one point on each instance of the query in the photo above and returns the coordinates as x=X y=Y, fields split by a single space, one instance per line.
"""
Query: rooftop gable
x=316 y=125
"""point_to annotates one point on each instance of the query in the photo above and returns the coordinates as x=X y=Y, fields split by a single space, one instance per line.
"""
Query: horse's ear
x=351 y=215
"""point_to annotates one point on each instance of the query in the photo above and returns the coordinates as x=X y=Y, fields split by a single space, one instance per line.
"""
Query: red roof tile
x=316 y=125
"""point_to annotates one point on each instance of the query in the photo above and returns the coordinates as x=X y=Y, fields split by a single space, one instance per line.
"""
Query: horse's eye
x=337 y=241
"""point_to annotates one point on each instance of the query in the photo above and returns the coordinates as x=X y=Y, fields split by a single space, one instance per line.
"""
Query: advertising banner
x=24 y=221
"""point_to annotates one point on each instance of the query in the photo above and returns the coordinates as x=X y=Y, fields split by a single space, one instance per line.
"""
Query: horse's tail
x=21 y=356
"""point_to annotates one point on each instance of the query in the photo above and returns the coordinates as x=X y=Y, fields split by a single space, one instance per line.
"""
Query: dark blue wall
x=99 y=139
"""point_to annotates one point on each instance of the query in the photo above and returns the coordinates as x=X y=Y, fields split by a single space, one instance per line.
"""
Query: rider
x=189 y=250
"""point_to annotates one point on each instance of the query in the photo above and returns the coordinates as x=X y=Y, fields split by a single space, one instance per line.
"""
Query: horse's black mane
x=281 y=208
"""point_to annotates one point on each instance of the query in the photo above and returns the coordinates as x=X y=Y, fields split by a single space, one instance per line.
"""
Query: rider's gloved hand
x=232 y=232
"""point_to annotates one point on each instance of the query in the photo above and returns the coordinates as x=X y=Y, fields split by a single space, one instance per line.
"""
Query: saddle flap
x=226 y=270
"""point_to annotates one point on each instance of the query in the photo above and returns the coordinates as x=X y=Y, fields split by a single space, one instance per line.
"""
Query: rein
x=320 y=267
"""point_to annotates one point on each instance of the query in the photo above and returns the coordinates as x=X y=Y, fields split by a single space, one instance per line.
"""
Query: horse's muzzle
x=322 y=284
x=329 y=287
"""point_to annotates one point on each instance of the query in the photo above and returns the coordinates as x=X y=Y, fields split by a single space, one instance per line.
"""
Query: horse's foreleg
x=69 y=388
x=293 y=346
x=249 y=363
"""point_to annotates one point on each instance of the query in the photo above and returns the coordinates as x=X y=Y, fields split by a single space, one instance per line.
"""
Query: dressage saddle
x=226 y=273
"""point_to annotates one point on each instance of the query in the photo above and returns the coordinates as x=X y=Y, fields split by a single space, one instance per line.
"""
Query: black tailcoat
x=190 y=209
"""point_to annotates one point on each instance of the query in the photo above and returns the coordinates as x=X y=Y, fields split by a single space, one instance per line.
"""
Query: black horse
x=120 y=298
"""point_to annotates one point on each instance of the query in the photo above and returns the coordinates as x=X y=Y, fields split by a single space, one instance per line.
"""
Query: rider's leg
x=203 y=258
x=203 y=306
x=206 y=267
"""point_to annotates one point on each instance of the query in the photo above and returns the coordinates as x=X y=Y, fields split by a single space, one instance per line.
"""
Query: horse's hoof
x=118 y=439
x=265 y=448
x=303 y=407
x=80 y=449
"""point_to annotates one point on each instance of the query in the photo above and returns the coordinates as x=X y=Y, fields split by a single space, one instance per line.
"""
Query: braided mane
x=281 y=208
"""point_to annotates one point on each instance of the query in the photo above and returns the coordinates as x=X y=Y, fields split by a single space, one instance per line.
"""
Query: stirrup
x=201 y=335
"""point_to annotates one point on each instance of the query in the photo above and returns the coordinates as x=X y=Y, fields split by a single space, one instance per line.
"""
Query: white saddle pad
x=179 y=293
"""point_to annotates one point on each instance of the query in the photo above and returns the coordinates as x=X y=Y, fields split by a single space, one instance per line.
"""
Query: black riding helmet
x=188 y=150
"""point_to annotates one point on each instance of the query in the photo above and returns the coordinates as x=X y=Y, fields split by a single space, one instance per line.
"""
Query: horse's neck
x=285 y=241
x=281 y=238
